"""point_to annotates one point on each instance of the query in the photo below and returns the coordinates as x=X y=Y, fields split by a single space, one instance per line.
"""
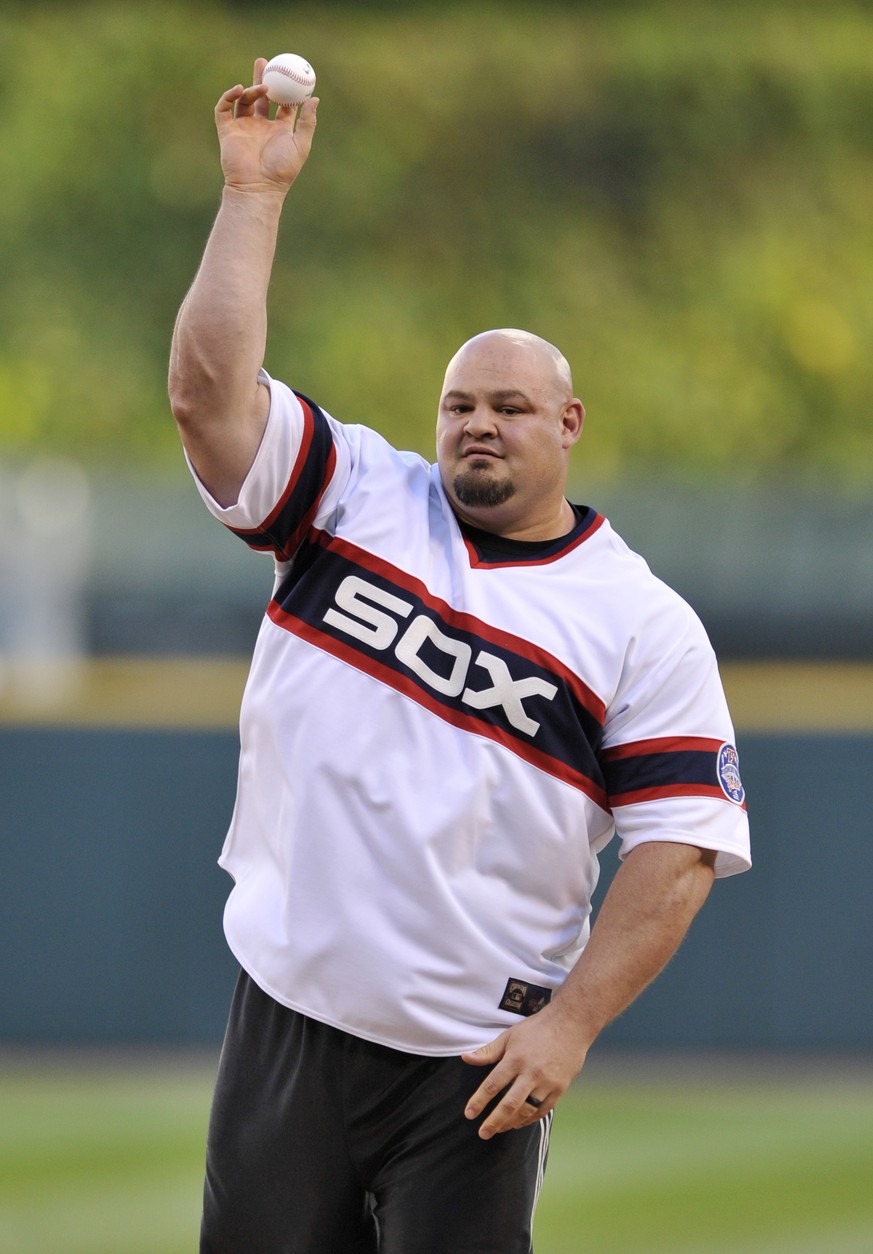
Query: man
x=463 y=686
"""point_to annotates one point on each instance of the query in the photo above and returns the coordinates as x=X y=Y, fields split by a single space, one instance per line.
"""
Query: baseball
x=289 y=79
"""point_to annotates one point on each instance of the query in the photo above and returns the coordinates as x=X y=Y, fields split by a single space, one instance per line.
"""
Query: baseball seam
x=303 y=79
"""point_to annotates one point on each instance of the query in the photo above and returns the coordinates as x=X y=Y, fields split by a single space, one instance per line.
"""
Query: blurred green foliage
x=677 y=194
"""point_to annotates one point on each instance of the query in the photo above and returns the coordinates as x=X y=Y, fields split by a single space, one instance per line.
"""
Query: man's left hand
x=533 y=1063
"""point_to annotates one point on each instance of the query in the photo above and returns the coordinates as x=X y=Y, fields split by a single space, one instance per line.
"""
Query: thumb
x=487 y=1055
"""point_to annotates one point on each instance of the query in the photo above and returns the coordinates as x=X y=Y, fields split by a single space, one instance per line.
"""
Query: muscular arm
x=651 y=902
x=221 y=331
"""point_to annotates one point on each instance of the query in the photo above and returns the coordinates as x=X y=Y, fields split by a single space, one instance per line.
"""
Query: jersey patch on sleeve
x=729 y=774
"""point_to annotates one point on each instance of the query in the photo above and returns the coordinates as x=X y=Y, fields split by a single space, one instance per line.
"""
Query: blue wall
x=110 y=899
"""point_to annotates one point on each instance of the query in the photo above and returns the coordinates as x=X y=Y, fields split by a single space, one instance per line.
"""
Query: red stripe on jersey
x=662 y=744
x=659 y=792
x=408 y=686
x=269 y=542
x=299 y=463
x=586 y=697
x=293 y=542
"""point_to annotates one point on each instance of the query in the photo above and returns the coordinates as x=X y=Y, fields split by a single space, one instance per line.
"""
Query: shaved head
x=552 y=360
x=506 y=423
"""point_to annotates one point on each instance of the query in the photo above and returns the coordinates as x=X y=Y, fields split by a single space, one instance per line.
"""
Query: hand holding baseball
x=260 y=153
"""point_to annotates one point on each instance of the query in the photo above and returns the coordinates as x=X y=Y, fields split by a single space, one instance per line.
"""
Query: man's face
x=505 y=427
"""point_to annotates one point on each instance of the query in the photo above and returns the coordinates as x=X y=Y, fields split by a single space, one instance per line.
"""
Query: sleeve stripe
x=300 y=462
x=616 y=800
x=292 y=516
x=665 y=767
x=662 y=744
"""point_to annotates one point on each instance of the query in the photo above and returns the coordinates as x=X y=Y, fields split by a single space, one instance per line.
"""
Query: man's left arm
x=650 y=905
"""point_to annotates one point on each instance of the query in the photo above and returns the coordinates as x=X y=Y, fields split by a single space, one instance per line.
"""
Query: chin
x=474 y=490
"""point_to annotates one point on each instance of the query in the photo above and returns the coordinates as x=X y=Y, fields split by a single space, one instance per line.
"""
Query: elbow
x=191 y=385
x=189 y=404
x=183 y=407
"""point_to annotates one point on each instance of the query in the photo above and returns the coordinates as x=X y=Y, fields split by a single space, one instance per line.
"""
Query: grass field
x=104 y=1156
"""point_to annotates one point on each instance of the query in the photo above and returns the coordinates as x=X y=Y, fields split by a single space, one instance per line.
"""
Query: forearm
x=221 y=332
x=220 y=335
x=655 y=894
x=645 y=915
x=219 y=343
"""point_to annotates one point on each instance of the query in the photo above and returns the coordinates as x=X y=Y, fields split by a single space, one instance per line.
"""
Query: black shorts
x=322 y=1143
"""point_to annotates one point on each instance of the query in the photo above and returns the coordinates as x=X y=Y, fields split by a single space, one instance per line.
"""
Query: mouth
x=477 y=451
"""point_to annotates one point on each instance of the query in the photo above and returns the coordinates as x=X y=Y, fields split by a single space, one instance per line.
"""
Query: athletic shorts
x=322 y=1143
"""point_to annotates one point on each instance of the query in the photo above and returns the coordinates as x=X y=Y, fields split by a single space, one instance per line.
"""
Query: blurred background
x=679 y=195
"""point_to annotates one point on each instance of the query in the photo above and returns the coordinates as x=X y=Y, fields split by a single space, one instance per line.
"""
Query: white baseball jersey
x=439 y=734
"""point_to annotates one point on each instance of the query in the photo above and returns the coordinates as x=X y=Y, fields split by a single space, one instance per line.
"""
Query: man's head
x=507 y=421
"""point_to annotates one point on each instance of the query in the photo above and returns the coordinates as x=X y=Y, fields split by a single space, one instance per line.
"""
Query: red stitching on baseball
x=283 y=69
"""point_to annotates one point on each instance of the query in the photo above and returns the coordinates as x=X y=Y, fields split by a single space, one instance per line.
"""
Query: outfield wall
x=113 y=810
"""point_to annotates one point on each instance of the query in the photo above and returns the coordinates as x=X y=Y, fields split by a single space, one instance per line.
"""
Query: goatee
x=481 y=492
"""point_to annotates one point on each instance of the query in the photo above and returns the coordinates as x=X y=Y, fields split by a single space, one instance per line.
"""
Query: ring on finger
x=536 y=1102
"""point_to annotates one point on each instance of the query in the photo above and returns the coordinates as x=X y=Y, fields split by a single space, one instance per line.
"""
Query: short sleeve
x=669 y=754
x=300 y=468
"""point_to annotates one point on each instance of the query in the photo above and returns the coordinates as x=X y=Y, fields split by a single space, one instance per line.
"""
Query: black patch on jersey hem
x=521 y=998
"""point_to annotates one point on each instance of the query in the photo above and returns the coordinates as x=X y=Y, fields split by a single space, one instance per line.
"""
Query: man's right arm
x=221 y=331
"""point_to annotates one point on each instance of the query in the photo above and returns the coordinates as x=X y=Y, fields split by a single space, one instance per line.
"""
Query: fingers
x=306 y=118
x=488 y=1054
x=261 y=105
x=227 y=101
x=253 y=101
x=240 y=102
x=518 y=1105
x=526 y=1079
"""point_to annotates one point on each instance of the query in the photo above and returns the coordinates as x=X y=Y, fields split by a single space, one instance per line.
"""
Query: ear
x=572 y=421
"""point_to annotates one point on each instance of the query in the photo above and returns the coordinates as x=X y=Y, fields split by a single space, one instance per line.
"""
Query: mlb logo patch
x=729 y=774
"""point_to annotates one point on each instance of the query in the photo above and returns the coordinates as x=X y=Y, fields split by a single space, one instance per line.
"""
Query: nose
x=479 y=422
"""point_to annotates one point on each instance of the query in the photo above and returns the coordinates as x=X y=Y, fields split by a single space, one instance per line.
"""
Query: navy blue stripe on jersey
x=385 y=623
x=280 y=533
x=648 y=770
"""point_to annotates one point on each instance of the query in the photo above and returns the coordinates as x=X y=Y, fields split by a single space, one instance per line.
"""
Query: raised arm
x=221 y=331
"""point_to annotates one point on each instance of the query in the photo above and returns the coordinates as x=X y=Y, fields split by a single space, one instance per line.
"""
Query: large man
x=462 y=687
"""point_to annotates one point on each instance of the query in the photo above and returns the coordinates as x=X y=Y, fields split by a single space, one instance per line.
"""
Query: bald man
x=507 y=421
x=464 y=686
